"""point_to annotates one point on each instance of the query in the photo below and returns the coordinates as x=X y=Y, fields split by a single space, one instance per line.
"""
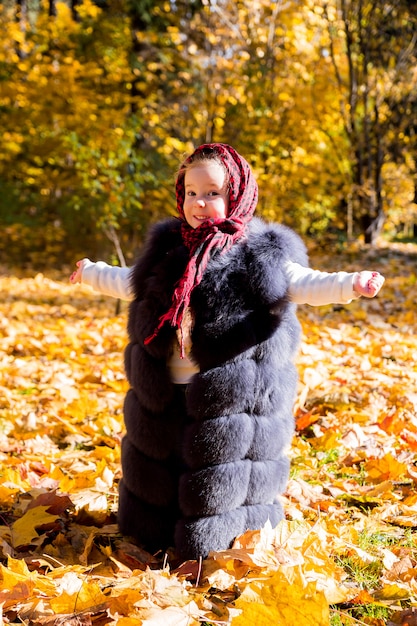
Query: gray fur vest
x=204 y=464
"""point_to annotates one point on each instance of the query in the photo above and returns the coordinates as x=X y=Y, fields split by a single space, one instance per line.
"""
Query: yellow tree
x=68 y=127
x=307 y=91
x=259 y=90
x=373 y=49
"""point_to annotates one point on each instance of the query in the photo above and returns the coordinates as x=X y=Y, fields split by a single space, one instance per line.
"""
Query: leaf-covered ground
x=347 y=551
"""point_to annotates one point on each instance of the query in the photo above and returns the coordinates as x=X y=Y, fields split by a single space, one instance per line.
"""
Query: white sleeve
x=308 y=286
x=109 y=280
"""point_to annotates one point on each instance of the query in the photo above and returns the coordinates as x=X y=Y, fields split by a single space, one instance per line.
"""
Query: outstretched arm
x=107 y=279
x=308 y=286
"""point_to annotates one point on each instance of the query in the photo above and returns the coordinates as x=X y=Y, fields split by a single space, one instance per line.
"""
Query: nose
x=199 y=202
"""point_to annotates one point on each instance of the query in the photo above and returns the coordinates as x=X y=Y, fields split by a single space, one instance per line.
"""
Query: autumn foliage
x=100 y=101
x=347 y=550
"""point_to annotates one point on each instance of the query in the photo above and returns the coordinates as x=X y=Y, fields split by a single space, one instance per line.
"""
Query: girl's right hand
x=76 y=277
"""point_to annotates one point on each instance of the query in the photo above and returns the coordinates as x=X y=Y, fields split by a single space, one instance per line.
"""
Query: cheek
x=222 y=210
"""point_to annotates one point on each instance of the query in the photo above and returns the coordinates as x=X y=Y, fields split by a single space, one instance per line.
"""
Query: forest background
x=99 y=103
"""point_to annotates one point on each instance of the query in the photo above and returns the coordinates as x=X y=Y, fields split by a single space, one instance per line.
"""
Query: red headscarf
x=215 y=235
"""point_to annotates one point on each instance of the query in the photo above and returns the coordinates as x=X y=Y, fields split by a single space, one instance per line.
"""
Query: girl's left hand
x=367 y=283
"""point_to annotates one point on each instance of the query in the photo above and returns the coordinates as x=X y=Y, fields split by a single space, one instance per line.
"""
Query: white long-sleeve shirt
x=306 y=286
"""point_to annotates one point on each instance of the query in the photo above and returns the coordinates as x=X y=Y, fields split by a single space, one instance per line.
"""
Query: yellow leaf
x=17 y=576
x=278 y=603
x=17 y=566
x=386 y=468
x=16 y=571
x=20 y=592
x=24 y=529
x=87 y=596
x=7 y=493
x=394 y=592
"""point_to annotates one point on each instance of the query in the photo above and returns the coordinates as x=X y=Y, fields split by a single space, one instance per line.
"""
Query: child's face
x=206 y=193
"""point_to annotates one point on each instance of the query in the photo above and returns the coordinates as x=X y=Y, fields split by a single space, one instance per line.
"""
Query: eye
x=213 y=193
x=190 y=193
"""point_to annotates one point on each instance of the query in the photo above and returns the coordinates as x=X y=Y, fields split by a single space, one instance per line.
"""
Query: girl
x=213 y=334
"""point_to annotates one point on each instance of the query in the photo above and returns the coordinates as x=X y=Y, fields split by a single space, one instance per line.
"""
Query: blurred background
x=100 y=102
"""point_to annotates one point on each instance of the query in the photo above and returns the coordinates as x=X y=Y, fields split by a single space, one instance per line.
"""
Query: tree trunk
x=74 y=12
x=52 y=8
x=372 y=227
x=21 y=17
